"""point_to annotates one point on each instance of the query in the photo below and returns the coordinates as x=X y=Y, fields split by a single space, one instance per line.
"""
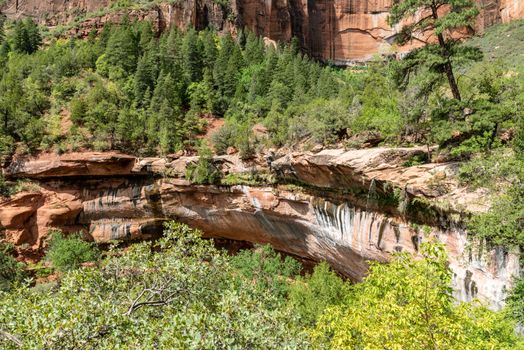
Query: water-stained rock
x=339 y=213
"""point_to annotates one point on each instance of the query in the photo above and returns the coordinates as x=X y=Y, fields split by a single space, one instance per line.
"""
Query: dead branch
x=12 y=338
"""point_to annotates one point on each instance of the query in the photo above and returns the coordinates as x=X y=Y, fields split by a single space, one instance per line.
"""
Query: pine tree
x=21 y=38
x=144 y=35
x=191 y=57
x=122 y=49
x=254 y=49
x=443 y=18
x=26 y=37
x=33 y=33
x=146 y=73
x=209 y=48
x=171 y=53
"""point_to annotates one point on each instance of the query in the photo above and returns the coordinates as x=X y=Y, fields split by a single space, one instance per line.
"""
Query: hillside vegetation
x=131 y=90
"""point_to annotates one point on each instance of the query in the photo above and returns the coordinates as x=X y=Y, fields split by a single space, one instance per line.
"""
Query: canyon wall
x=335 y=205
x=341 y=31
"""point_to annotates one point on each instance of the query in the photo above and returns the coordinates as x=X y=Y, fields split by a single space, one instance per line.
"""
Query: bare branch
x=12 y=338
x=164 y=295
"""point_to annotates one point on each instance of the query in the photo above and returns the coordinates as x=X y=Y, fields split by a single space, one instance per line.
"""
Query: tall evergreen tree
x=122 y=49
x=146 y=73
x=33 y=33
x=254 y=49
x=191 y=57
x=209 y=48
x=442 y=18
x=26 y=37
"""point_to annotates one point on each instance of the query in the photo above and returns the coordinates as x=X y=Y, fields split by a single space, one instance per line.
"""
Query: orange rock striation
x=341 y=31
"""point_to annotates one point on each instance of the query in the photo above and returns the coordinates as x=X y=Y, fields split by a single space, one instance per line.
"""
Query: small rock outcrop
x=341 y=206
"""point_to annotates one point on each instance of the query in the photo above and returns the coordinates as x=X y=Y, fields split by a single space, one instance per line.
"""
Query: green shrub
x=11 y=271
x=5 y=190
x=502 y=173
x=224 y=138
x=179 y=292
x=515 y=301
x=267 y=268
x=518 y=141
x=68 y=253
x=204 y=171
x=310 y=296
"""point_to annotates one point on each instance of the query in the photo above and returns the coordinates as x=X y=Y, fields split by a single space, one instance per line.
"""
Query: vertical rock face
x=344 y=31
x=334 y=30
x=340 y=31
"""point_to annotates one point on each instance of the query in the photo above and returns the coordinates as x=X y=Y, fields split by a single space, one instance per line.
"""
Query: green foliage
x=177 y=293
x=204 y=171
x=181 y=292
x=518 y=141
x=26 y=37
x=503 y=174
x=11 y=271
x=5 y=190
x=267 y=269
x=515 y=301
x=377 y=108
x=436 y=60
x=509 y=51
x=310 y=296
x=130 y=91
x=69 y=252
x=407 y=304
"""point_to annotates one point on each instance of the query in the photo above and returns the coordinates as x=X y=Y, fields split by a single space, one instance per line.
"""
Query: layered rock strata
x=341 y=31
x=341 y=211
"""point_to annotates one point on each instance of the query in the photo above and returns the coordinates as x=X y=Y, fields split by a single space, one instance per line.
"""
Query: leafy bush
x=5 y=190
x=515 y=301
x=11 y=271
x=176 y=293
x=267 y=268
x=181 y=292
x=408 y=304
x=312 y=295
x=503 y=174
x=518 y=142
x=69 y=252
x=204 y=171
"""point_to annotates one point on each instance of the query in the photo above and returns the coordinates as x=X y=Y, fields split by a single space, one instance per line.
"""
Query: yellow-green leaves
x=407 y=304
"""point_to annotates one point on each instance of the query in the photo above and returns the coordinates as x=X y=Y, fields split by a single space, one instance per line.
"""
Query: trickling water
x=372 y=193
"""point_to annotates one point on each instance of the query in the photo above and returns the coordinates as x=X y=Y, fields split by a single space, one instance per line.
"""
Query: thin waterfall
x=372 y=193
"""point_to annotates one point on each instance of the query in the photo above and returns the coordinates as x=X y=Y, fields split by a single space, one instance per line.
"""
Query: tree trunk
x=447 y=66
x=449 y=70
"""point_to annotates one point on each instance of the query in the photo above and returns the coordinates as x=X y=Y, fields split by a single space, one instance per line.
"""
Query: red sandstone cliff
x=337 y=30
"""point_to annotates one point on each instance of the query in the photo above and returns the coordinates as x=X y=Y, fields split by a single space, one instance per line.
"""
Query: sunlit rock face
x=341 y=31
x=117 y=197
